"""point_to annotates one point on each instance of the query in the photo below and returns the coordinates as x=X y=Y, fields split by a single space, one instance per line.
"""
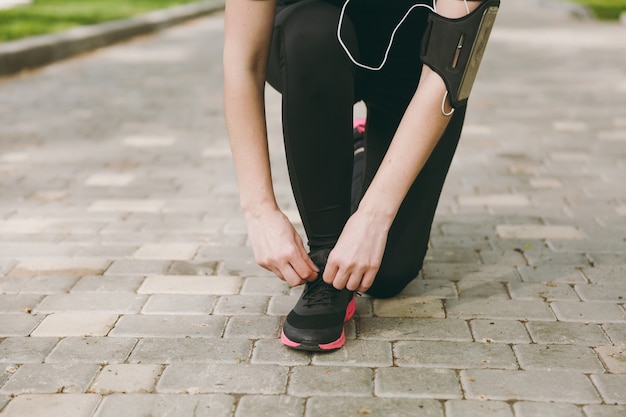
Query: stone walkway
x=127 y=288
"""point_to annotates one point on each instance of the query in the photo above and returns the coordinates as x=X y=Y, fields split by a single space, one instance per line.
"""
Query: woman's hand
x=278 y=247
x=355 y=259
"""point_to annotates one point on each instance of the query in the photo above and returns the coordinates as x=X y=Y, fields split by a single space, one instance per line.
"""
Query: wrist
x=256 y=210
x=377 y=213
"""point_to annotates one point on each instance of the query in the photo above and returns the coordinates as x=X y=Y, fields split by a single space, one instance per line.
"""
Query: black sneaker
x=316 y=322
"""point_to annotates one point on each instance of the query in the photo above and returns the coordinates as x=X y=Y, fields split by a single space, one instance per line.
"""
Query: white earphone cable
x=432 y=8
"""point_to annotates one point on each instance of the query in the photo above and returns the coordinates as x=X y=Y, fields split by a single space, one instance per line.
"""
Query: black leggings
x=319 y=86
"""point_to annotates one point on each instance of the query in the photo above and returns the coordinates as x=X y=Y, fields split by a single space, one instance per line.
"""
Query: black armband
x=454 y=48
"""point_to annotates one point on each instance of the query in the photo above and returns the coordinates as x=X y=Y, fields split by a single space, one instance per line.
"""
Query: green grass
x=48 y=16
x=605 y=9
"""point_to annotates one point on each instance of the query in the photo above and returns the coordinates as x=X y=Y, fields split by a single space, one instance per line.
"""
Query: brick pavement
x=127 y=288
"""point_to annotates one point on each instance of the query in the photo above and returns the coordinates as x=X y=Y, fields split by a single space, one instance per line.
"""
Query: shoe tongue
x=319 y=293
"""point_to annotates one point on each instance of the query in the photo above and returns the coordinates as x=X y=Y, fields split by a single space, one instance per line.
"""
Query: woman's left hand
x=355 y=259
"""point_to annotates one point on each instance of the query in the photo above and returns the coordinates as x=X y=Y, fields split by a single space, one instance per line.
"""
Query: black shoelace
x=319 y=293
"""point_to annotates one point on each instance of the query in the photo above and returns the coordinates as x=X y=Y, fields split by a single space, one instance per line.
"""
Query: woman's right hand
x=278 y=247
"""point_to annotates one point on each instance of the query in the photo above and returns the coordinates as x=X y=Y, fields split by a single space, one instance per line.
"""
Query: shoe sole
x=322 y=347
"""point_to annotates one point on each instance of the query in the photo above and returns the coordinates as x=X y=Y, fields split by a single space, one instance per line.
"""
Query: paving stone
x=604 y=410
x=585 y=334
x=372 y=406
x=17 y=303
x=616 y=332
x=499 y=331
x=611 y=387
x=407 y=306
x=180 y=284
x=499 y=309
x=137 y=266
x=615 y=293
x=552 y=273
x=513 y=200
x=168 y=326
x=434 y=288
x=452 y=255
x=264 y=286
x=251 y=327
x=6 y=370
x=127 y=205
x=471 y=272
x=547 y=291
x=241 y=305
x=3 y=401
x=417 y=383
x=473 y=242
x=455 y=355
x=25 y=349
x=588 y=312
x=306 y=381
x=18 y=324
x=105 y=283
x=38 y=378
x=534 y=231
x=613 y=357
x=192 y=350
x=501 y=257
x=468 y=408
x=37 y=405
x=178 y=251
x=114 y=302
x=385 y=328
x=369 y=353
x=542 y=386
x=570 y=259
x=179 y=304
x=141 y=405
x=273 y=352
x=192 y=268
x=100 y=350
x=606 y=274
x=261 y=406
x=482 y=290
x=534 y=409
x=221 y=378
x=126 y=378
x=281 y=305
x=48 y=284
x=71 y=324
x=558 y=357
x=60 y=266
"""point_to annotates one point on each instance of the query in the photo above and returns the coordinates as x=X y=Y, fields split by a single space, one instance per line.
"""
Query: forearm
x=417 y=135
x=248 y=28
x=245 y=121
x=414 y=140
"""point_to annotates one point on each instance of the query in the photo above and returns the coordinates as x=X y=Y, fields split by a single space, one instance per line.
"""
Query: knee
x=387 y=285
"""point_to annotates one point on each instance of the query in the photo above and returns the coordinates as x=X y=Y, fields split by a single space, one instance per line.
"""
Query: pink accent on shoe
x=359 y=124
x=285 y=341
x=350 y=310
x=336 y=344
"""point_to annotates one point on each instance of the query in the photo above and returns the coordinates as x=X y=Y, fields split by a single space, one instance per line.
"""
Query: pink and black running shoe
x=316 y=321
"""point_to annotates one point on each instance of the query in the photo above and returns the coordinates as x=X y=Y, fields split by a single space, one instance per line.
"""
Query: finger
x=291 y=276
x=367 y=281
x=329 y=273
x=354 y=281
x=303 y=268
x=341 y=278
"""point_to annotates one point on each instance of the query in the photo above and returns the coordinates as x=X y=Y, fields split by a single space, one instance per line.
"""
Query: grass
x=605 y=9
x=49 y=16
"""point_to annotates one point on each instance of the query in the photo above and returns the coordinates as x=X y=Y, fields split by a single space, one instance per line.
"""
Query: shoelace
x=319 y=293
